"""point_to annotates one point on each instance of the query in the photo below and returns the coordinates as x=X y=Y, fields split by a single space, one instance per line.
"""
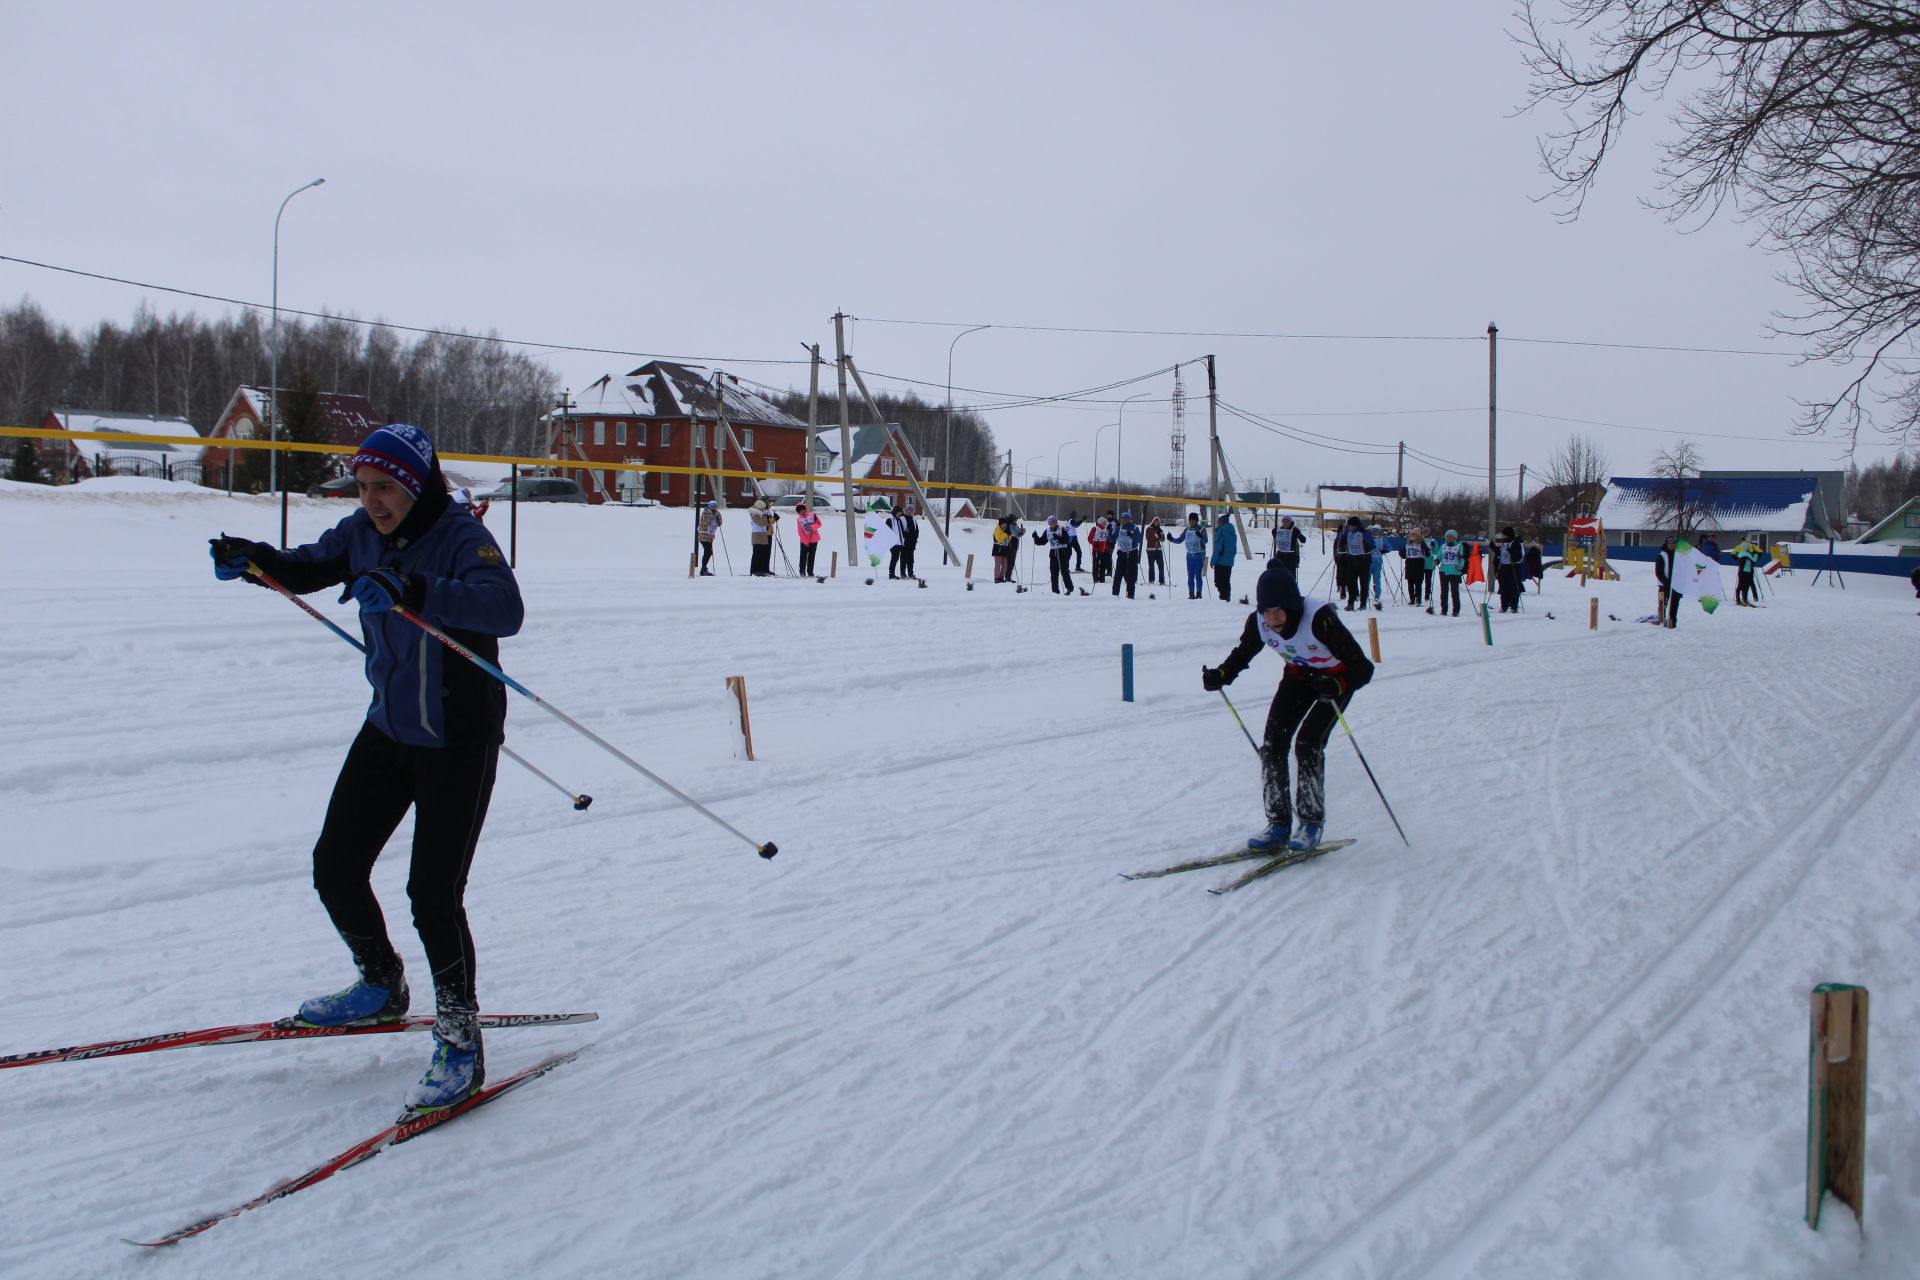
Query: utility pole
x=813 y=416
x=1400 y=488
x=1493 y=401
x=1213 y=433
x=846 y=441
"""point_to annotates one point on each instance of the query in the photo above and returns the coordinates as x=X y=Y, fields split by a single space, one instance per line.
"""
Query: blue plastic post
x=1126 y=673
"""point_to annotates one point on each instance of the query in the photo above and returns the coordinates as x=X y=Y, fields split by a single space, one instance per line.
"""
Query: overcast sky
x=713 y=181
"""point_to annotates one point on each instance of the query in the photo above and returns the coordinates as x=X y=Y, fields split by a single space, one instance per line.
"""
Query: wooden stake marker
x=1837 y=1101
x=737 y=686
x=1593 y=613
x=1373 y=637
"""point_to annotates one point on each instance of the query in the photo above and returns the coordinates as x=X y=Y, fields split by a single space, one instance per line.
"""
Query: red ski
x=411 y=1126
x=249 y=1032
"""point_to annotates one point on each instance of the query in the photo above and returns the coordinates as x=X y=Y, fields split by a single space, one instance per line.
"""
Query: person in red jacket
x=1324 y=667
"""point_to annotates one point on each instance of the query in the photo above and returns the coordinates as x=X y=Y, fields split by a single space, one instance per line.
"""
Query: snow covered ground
x=1562 y=1035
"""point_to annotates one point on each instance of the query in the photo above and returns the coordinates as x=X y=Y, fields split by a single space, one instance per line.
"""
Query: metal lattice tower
x=1177 y=468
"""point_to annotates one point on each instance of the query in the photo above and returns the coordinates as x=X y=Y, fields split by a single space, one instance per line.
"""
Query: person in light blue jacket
x=1226 y=545
x=1195 y=538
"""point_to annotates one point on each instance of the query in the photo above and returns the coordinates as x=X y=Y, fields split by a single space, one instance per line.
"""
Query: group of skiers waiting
x=1360 y=553
x=764 y=523
x=1117 y=543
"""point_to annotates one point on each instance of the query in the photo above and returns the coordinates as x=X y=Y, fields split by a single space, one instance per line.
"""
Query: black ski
x=1290 y=858
x=1198 y=864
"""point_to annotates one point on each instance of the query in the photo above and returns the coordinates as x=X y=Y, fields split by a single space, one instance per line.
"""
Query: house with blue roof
x=1782 y=506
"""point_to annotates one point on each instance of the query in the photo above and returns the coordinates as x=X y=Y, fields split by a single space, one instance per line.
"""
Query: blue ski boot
x=1307 y=838
x=459 y=1065
x=375 y=998
x=1272 y=840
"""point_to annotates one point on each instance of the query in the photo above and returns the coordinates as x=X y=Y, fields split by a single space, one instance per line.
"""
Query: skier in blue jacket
x=1226 y=545
x=431 y=740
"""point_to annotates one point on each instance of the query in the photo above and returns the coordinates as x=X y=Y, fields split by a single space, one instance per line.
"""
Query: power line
x=403 y=328
x=1348 y=337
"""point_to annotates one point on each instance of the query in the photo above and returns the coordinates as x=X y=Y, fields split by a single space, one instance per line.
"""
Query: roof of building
x=1902 y=525
x=133 y=424
x=663 y=389
x=350 y=418
x=1772 y=504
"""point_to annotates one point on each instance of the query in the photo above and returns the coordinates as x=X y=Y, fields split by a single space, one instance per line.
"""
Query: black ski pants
x=1126 y=569
x=1744 y=592
x=808 y=550
x=1416 y=581
x=1156 y=567
x=1102 y=563
x=1060 y=569
x=448 y=789
x=706 y=554
x=762 y=563
x=1509 y=578
x=1302 y=721
x=1223 y=580
x=1450 y=593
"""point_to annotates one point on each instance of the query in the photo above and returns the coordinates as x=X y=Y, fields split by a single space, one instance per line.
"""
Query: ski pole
x=766 y=850
x=1369 y=768
x=1242 y=723
x=580 y=800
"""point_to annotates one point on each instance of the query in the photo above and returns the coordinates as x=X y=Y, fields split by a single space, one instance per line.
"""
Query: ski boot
x=1272 y=840
x=377 y=997
x=459 y=1065
x=1307 y=838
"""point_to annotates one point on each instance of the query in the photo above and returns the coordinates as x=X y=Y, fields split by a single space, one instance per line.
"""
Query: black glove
x=230 y=556
x=1327 y=685
x=378 y=590
x=1213 y=679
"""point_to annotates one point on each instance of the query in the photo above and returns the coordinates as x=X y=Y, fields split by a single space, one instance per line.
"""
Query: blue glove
x=231 y=555
x=378 y=590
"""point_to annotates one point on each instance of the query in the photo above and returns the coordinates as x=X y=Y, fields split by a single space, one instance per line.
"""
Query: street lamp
x=946 y=460
x=1096 y=454
x=1056 y=460
x=273 y=363
x=1120 y=440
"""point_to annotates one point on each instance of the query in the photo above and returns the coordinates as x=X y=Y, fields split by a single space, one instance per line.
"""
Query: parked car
x=785 y=505
x=338 y=487
x=537 y=489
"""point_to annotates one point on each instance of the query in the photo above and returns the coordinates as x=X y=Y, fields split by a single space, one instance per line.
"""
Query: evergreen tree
x=26 y=464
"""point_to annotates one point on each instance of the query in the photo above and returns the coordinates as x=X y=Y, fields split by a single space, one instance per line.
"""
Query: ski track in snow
x=1563 y=1034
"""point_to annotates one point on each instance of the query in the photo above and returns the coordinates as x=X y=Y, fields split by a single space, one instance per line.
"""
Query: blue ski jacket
x=1226 y=543
x=424 y=694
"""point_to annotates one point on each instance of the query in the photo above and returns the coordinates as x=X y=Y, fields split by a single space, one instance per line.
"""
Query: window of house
x=746 y=486
x=639 y=433
x=600 y=431
x=666 y=435
x=886 y=466
x=699 y=435
x=619 y=433
x=746 y=439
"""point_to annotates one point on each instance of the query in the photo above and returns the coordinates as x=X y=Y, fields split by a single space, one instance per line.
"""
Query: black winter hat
x=1278 y=590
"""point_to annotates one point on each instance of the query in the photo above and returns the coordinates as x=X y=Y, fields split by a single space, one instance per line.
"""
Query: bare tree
x=1802 y=116
x=1577 y=464
x=1680 y=499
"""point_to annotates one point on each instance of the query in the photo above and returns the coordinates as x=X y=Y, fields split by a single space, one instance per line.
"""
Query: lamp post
x=946 y=460
x=1120 y=440
x=1096 y=454
x=273 y=363
x=1056 y=460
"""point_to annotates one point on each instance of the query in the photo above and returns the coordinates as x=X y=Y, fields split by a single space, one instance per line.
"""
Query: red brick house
x=663 y=413
x=872 y=461
x=350 y=419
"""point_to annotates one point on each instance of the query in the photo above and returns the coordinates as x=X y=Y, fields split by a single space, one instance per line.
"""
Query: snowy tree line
x=471 y=393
